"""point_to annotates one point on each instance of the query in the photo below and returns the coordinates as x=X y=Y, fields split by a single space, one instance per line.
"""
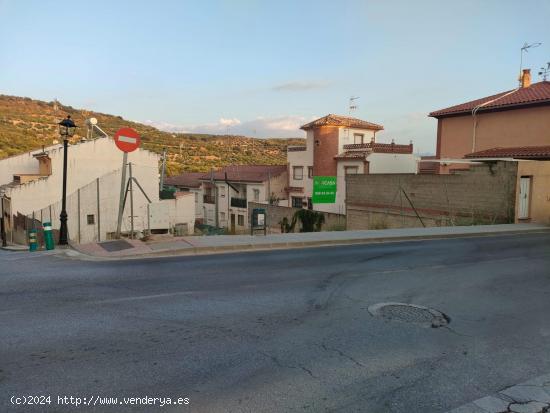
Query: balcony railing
x=238 y=202
x=381 y=147
x=296 y=148
x=208 y=199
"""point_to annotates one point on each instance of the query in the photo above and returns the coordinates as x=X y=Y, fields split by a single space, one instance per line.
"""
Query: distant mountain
x=27 y=124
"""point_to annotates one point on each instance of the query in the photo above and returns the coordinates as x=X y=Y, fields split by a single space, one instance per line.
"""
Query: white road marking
x=127 y=139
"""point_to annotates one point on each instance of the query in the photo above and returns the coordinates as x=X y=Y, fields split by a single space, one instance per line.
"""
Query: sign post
x=324 y=190
x=127 y=140
x=258 y=221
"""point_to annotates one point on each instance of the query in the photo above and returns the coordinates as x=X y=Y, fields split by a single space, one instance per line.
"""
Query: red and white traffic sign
x=127 y=139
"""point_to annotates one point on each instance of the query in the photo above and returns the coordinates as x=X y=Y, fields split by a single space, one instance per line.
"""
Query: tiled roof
x=536 y=93
x=520 y=152
x=352 y=155
x=186 y=179
x=338 y=120
x=245 y=173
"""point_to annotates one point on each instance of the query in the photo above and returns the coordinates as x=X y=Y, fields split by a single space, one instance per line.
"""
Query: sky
x=263 y=68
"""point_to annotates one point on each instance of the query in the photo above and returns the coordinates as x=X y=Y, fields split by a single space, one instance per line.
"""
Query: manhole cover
x=410 y=313
x=118 y=245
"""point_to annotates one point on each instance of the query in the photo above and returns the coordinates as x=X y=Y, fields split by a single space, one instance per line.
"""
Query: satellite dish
x=91 y=121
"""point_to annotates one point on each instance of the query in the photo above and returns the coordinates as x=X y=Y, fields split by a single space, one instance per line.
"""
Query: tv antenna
x=545 y=71
x=525 y=48
x=352 y=105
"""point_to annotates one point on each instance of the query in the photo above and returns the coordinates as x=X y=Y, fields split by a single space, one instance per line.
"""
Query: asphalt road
x=277 y=331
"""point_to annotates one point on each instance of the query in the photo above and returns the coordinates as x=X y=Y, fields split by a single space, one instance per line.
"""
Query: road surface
x=277 y=331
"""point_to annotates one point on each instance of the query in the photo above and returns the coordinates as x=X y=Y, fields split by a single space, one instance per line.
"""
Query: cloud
x=261 y=127
x=229 y=122
x=299 y=86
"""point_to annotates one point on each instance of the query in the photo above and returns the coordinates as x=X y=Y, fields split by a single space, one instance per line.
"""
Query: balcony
x=296 y=148
x=381 y=147
x=208 y=199
x=238 y=202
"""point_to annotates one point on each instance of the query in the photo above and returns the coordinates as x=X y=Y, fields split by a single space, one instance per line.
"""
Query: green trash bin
x=48 y=236
x=33 y=242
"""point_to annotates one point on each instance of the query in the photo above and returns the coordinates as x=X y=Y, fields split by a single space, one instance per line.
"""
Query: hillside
x=27 y=124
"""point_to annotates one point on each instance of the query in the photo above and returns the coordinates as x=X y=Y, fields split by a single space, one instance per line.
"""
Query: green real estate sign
x=324 y=190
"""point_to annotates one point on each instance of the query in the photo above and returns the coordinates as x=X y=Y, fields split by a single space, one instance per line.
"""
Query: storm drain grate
x=410 y=313
x=118 y=245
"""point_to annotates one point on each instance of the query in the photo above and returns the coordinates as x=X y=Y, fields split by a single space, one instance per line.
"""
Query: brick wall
x=325 y=147
x=275 y=214
x=484 y=194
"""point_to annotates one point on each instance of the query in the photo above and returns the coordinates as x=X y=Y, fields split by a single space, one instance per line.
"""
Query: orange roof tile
x=520 y=152
x=537 y=93
x=338 y=120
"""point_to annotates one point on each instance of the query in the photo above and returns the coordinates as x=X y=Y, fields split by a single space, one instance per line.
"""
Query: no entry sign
x=127 y=139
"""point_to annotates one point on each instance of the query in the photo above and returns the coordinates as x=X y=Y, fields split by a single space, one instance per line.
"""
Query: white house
x=338 y=146
x=226 y=193
x=190 y=182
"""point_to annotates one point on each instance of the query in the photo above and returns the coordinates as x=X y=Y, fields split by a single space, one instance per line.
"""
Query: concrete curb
x=189 y=251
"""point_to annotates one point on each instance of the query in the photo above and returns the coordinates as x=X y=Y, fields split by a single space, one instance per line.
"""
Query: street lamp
x=66 y=130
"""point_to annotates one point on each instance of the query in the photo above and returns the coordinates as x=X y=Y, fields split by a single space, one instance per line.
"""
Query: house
x=190 y=182
x=510 y=119
x=31 y=189
x=226 y=193
x=339 y=146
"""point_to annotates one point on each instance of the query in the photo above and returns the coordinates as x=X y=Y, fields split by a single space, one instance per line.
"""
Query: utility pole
x=131 y=188
x=213 y=183
x=122 y=194
x=3 y=223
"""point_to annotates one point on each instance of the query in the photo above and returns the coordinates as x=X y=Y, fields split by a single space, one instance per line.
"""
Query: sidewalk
x=226 y=243
x=533 y=396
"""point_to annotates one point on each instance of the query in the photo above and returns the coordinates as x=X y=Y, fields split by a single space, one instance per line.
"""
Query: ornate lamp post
x=66 y=130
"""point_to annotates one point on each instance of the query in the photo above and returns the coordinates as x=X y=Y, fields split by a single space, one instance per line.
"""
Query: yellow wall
x=539 y=205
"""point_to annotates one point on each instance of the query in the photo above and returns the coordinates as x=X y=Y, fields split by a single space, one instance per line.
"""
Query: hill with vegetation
x=27 y=124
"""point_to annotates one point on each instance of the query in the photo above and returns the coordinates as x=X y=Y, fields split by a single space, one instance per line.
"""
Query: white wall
x=181 y=210
x=19 y=164
x=198 y=199
x=109 y=185
x=345 y=137
x=86 y=162
x=389 y=163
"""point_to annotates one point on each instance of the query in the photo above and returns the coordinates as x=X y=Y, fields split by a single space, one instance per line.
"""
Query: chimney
x=526 y=78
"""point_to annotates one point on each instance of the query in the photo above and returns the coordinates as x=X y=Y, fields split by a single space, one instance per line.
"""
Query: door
x=232 y=223
x=524 y=197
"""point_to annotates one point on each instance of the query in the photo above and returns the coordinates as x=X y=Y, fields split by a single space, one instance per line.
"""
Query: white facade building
x=338 y=146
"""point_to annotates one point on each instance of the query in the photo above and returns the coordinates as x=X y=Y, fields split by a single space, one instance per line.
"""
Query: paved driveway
x=279 y=331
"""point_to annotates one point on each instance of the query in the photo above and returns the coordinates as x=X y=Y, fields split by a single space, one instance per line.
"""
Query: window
x=298 y=172
x=256 y=194
x=90 y=219
x=351 y=170
x=240 y=220
x=310 y=172
x=297 y=202
x=358 y=138
x=222 y=191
